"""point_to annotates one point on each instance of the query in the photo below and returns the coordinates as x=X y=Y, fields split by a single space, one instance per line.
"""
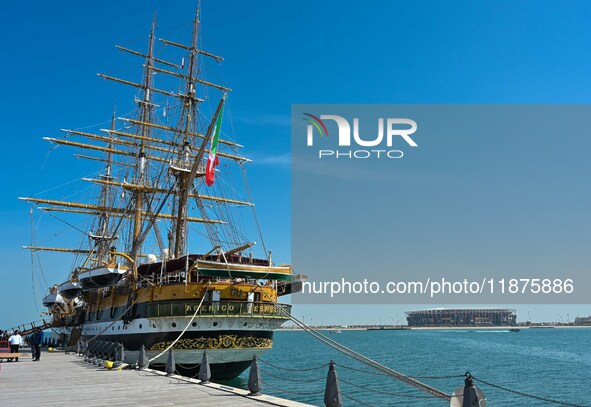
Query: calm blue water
x=554 y=363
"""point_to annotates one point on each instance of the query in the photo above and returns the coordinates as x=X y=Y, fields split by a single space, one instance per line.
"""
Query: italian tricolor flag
x=213 y=160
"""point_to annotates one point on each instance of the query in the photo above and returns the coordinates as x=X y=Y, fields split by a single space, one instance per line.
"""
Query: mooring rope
x=361 y=358
x=186 y=327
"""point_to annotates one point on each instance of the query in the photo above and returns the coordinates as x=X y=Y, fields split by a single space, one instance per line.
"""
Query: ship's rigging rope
x=77 y=179
x=254 y=212
x=153 y=218
x=186 y=327
x=68 y=224
x=33 y=243
x=359 y=357
x=230 y=230
x=33 y=263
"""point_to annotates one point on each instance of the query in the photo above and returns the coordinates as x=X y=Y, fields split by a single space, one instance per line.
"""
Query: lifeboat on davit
x=53 y=298
x=101 y=276
x=70 y=289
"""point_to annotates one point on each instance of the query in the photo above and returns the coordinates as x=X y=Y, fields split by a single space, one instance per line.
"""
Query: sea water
x=553 y=363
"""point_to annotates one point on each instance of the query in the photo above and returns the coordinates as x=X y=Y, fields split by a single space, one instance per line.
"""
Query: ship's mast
x=146 y=110
x=103 y=240
x=184 y=142
x=184 y=179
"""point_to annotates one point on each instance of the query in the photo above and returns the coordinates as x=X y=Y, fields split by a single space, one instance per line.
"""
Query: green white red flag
x=213 y=160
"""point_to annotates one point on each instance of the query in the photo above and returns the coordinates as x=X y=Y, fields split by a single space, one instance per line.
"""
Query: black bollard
x=332 y=394
x=95 y=351
x=120 y=353
x=108 y=351
x=142 y=360
x=113 y=351
x=89 y=347
x=254 y=378
x=170 y=365
x=86 y=353
x=204 y=370
x=90 y=351
x=470 y=396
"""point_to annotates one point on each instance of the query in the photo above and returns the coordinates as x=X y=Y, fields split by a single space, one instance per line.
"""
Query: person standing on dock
x=15 y=341
x=31 y=340
x=37 y=341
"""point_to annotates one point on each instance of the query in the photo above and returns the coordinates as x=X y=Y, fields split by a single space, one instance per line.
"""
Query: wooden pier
x=66 y=380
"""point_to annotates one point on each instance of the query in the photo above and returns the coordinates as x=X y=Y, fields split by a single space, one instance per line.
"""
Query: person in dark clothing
x=37 y=340
x=31 y=340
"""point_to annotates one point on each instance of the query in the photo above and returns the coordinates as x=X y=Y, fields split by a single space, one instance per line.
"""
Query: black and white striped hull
x=230 y=342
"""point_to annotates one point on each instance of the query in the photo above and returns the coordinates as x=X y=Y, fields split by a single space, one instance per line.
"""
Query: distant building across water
x=441 y=317
x=583 y=321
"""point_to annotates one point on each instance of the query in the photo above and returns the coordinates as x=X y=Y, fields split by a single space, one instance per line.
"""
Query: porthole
x=246 y=323
x=153 y=325
x=140 y=326
x=174 y=324
x=215 y=324
x=194 y=324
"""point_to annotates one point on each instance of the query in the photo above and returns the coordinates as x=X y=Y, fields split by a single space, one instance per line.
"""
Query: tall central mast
x=146 y=108
x=185 y=181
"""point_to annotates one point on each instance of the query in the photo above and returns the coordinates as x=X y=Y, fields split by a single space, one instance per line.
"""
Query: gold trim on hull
x=221 y=342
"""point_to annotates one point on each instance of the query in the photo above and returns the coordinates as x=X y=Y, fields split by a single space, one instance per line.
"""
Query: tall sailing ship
x=135 y=279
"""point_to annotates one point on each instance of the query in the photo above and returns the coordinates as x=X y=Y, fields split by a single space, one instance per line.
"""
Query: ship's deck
x=66 y=380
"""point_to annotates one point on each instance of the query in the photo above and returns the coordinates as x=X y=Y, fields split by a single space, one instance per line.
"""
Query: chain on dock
x=522 y=394
x=289 y=377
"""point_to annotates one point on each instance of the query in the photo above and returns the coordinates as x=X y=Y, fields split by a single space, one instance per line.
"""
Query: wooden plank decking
x=66 y=380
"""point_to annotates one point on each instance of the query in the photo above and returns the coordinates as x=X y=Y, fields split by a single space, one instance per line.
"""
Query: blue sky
x=276 y=54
